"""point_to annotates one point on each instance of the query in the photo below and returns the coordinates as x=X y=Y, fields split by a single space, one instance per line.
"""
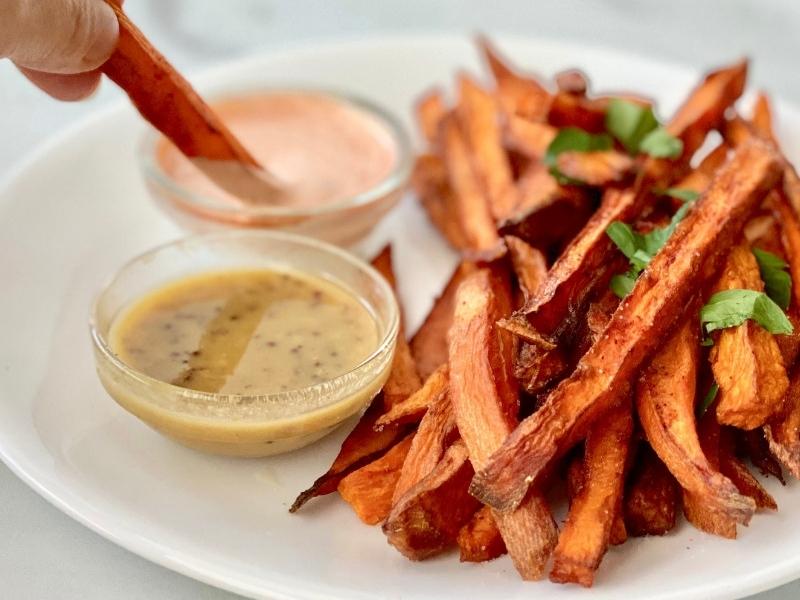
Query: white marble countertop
x=44 y=553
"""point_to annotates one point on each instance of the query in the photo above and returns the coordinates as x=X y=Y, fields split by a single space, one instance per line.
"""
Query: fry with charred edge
x=430 y=110
x=740 y=475
x=434 y=435
x=480 y=540
x=429 y=180
x=582 y=261
x=698 y=512
x=530 y=265
x=665 y=400
x=529 y=138
x=486 y=403
x=570 y=110
x=757 y=448
x=586 y=534
x=650 y=504
x=746 y=360
x=429 y=344
x=783 y=432
x=688 y=260
x=595 y=168
x=413 y=408
x=524 y=96
x=370 y=489
x=572 y=81
x=472 y=209
x=427 y=518
x=478 y=114
x=167 y=100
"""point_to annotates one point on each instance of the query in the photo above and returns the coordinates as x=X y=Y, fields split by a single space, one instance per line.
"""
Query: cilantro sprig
x=639 y=248
x=637 y=129
x=777 y=282
x=708 y=399
x=573 y=139
x=731 y=308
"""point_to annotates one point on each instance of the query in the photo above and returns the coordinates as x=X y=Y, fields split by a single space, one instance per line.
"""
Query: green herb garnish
x=660 y=143
x=708 y=399
x=683 y=194
x=637 y=129
x=777 y=281
x=572 y=139
x=731 y=308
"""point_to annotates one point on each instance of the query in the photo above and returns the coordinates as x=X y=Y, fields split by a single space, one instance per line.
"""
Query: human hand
x=58 y=44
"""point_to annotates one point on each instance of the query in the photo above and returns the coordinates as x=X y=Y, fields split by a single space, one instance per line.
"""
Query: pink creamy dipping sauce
x=325 y=149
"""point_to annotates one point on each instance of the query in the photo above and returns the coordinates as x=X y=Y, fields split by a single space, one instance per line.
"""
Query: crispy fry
x=762 y=117
x=572 y=81
x=530 y=265
x=478 y=113
x=665 y=400
x=746 y=360
x=529 y=138
x=757 y=447
x=427 y=518
x=523 y=96
x=429 y=180
x=413 y=408
x=571 y=110
x=651 y=497
x=741 y=476
x=688 y=260
x=369 y=490
x=586 y=535
x=430 y=110
x=382 y=263
x=434 y=435
x=472 y=209
x=480 y=540
x=790 y=239
x=698 y=512
x=595 y=168
x=486 y=403
x=783 y=432
x=429 y=344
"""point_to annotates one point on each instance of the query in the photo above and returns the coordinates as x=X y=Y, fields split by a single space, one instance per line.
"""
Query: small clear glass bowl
x=343 y=222
x=238 y=424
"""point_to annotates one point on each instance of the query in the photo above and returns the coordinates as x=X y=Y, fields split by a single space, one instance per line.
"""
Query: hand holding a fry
x=58 y=44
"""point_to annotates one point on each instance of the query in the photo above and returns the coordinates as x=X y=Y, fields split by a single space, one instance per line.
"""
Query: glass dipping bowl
x=238 y=424
x=342 y=222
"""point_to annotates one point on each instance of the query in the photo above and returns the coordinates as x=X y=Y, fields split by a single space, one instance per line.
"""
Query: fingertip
x=67 y=88
x=106 y=34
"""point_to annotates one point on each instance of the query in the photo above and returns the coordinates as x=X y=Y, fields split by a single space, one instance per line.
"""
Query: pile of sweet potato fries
x=622 y=326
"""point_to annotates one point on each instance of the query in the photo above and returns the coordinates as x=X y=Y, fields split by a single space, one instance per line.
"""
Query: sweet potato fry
x=587 y=532
x=486 y=403
x=434 y=435
x=790 y=239
x=746 y=360
x=571 y=110
x=665 y=400
x=430 y=110
x=595 y=168
x=427 y=518
x=524 y=96
x=529 y=138
x=478 y=114
x=651 y=497
x=688 y=260
x=699 y=513
x=382 y=263
x=369 y=490
x=472 y=208
x=480 y=540
x=757 y=448
x=429 y=180
x=762 y=117
x=530 y=265
x=740 y=475
x=572 y=81
x=548 y=214
x=783 y=431
x=413 y=408
x=429 y=344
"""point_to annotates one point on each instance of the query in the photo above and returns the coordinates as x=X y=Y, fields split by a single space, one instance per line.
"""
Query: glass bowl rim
x=331 y=387
x=215 y=208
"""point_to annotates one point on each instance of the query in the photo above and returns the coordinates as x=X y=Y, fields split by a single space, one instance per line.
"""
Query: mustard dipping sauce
x=244 y=335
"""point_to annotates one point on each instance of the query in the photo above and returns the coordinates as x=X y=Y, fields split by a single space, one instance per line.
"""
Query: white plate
x=77 y=209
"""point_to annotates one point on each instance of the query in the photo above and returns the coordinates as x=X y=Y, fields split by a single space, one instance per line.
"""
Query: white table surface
x=45 y=554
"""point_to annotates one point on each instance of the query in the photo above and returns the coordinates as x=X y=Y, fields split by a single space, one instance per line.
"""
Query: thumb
x=57 y=36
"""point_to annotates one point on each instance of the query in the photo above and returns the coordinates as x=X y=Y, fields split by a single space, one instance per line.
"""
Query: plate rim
x=186 y=563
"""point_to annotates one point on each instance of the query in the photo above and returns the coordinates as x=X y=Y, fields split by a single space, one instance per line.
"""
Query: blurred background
x=43 y=553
